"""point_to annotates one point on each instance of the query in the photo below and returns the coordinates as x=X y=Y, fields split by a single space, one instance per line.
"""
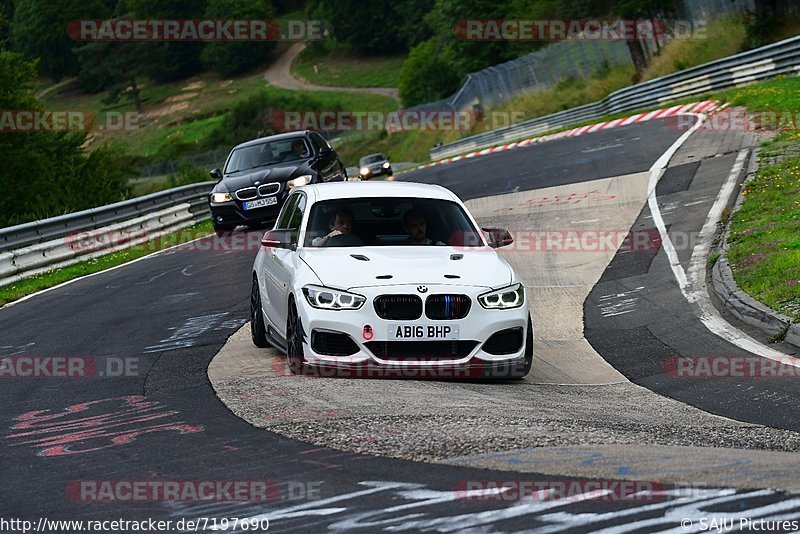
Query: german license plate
x=260 y=203
x=423 y=331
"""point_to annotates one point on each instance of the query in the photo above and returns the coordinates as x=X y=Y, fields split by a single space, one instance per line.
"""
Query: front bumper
x=233 y=212
x=477 y=326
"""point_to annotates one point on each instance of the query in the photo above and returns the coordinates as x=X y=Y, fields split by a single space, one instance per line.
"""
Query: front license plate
x=260 y=203
x=423 y=331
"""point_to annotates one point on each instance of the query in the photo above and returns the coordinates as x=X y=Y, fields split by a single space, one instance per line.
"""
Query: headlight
x=385 y=164
x=364 y=170
x=332 y=299
x=221 y=197
x=299 y=181
x=503 y=299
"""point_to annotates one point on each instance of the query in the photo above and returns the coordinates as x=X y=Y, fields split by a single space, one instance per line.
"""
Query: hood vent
x=451 y=276
x=456 y=256
x=359 y=257
x=383 y=276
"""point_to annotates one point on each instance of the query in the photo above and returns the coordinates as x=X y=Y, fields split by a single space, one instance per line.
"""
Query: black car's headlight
x=221 y=197
x=503 y=299
x=326 y=298
x=386 y=164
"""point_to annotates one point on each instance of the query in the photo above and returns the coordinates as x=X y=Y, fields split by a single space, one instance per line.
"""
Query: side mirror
x=324 y=151
x=279 y=239
x=216 y=174
x=498 y=237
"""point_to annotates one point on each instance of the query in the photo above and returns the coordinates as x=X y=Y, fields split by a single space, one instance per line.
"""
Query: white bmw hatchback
x=388 y=279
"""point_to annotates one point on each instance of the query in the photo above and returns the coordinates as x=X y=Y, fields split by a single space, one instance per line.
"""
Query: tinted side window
x=297 y=213
x=286 y=212
x=318 y=142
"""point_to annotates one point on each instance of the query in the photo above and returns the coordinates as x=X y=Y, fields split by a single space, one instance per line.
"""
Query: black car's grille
x=444 y=307
x=333 y=343
x=247 y=193
x=398 y=307
x=506 y=341
x=266 y=190
x=421 y=350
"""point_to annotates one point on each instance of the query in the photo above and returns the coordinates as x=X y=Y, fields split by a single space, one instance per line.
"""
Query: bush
x=48 y=173
x=426 y=76
x=233 y=58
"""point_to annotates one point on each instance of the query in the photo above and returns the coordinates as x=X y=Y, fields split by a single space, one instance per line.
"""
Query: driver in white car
x=341 y=223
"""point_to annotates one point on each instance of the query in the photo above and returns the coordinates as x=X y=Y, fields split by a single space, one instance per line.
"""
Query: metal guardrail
x=769 y=61
x=23 y=235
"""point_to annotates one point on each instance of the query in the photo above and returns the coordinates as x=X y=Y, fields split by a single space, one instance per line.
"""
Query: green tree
x=376 y=26
x=426 y=75
x=116 y=67
x=171 y=60
x=641 y=9
x=39 y=32
x=49 y=173
x=6 y=15
x=233 y=57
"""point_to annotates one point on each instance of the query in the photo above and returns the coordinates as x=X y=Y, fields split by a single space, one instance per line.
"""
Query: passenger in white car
x=417 y=228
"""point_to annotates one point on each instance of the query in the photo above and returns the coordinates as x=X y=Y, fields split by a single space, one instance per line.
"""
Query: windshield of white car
x=268 y=153
x=389 y=221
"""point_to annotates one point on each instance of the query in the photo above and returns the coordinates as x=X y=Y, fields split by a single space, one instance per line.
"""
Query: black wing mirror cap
x=498 y=237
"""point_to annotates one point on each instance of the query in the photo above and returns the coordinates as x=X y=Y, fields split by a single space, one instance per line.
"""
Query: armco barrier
x=781 y=58
x=40 y=246
x=26 y=234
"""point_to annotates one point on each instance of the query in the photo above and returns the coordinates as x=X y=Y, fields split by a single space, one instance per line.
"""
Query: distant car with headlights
x=259 y=174
x=374 y=165
x=385 y=276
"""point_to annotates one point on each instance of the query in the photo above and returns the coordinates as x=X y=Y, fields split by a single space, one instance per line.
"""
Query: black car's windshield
x=267 y=153
x=375 y=158
x=389 y=221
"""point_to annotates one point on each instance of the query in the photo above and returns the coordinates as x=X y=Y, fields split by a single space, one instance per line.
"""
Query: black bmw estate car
x=259 y=174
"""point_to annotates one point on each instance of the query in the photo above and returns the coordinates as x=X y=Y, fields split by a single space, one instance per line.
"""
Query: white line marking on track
x=692 y=287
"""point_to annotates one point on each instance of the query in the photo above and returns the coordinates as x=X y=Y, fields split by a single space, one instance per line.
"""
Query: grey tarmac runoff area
x=205 y=404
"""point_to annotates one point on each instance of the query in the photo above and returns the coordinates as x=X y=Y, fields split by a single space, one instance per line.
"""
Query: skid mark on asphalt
x=95 y=425
x=619 y=303
x=188 y=334
x=418 y=507
x=15 y=350
x=706 y=466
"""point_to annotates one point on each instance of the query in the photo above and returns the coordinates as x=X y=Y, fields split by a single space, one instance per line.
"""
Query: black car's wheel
x=519 y=371
x=258 y=331
x=294 y=341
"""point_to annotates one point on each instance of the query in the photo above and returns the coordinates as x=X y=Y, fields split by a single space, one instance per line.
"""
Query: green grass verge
x=17 y=290
x=341 y=68
x=764 y=252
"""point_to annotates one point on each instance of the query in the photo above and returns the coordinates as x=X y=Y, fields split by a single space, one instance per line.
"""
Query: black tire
x=294 y=341
x=258 y=332
x=521 y=371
